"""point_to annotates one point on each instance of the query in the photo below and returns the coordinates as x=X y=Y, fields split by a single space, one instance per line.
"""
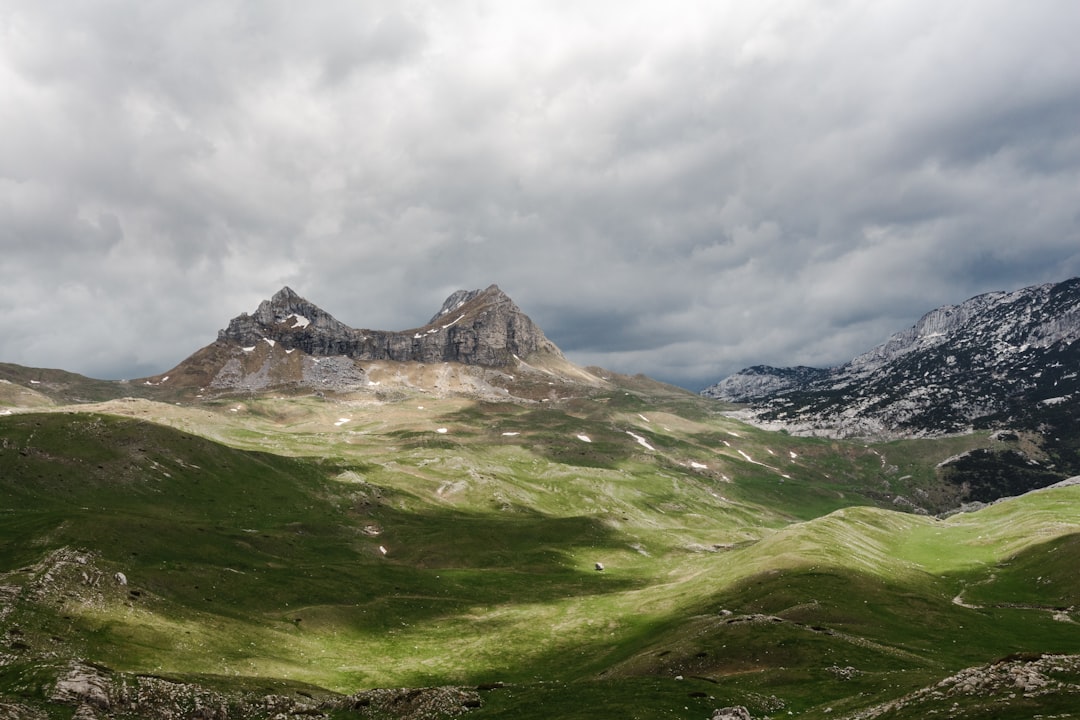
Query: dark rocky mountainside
x=479 y=327
x=290 y=342
x=1006 y=360
x=991 y=359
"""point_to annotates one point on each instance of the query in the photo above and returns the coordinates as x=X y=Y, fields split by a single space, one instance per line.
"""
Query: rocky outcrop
x=735 y=712
x=478 y=327
x=82 y=685
x=1026 y=678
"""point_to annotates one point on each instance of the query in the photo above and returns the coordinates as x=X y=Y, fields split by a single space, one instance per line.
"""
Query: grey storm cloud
x=674 y=188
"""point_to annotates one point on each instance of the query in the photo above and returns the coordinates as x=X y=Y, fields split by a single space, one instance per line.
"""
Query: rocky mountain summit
x=486 y=328
x=1003 y=359
x=291 y=342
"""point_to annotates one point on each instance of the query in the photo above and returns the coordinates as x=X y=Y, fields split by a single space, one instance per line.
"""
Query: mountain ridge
x=289 y=342
x=982 y=363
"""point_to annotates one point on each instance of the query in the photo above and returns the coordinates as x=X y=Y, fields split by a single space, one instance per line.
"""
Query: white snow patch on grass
x=641 y=441
x=442 y=431
x=453 y=322
x=792 y=454
x=511 y=434
x=341 y=421
x=643 y=417
x=733 y=434
x=698 y=466
x=584 y=438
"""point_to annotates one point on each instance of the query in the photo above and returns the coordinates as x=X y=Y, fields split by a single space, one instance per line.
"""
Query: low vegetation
x=630 y=554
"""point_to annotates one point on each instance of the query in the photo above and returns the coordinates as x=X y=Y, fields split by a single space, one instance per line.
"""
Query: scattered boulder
x=121 y=578
x=599 y=567
x=82 y=685
x=18 y=711
x=735 y=712
x=84 y=712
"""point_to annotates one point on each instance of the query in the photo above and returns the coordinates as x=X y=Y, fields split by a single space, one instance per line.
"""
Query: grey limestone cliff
x=477 y=327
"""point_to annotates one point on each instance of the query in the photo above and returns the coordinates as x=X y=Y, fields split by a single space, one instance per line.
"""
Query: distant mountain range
x=1003 y=360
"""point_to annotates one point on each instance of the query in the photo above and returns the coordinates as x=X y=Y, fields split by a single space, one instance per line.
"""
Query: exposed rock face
x=288 y=342
x=762 y=381
x=996 y=359
x=479 y=327
x=83 y=684
x=735 y=712
x=1026 y=677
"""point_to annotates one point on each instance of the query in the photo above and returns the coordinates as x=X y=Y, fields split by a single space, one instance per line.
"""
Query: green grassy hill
x=259 y=555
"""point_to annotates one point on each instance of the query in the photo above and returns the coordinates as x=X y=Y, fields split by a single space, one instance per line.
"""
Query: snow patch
x=269 y=342
x=698 y=466
x=641 y=441
x=453 y=322
x=441 y=431
x=248 y=349
x=792 y=454
x=511 y=434
x=341 y=421
x=35 y=382
x=584 y=438
x=733 y=434
x=643 y=417
x=298 y=321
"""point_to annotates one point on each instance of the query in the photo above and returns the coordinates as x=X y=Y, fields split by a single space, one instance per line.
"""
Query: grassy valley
x=311 y=549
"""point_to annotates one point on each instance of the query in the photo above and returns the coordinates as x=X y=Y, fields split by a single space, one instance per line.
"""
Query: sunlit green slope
x=324 y=547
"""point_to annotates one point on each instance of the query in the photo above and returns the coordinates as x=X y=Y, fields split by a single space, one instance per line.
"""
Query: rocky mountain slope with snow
x=290 y=342
x=1003 y=359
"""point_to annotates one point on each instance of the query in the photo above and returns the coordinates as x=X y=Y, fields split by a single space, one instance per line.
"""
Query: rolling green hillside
x=259 y=556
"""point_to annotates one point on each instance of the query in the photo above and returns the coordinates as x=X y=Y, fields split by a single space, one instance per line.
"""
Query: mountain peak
x=284 y=295
x=459 y=298
x=985 y=362
x=473 y=327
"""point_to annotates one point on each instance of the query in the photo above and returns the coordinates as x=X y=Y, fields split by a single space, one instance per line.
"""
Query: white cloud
x=675 y=188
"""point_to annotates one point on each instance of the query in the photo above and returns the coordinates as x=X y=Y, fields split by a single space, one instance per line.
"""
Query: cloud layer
x=675 y=188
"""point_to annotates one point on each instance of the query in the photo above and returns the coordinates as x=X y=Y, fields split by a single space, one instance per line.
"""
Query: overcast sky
x=675 y=188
